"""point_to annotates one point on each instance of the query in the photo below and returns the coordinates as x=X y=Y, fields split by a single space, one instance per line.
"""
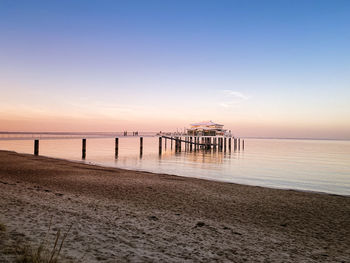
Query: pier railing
x=70 y=135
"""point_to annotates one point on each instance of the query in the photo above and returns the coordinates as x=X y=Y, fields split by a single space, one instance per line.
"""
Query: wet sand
x=122 y=216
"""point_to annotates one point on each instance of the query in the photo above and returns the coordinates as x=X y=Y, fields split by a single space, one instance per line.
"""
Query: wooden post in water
x=141 y=146
x=229 y=144
x=36 y=147
x=171 y=142
x=225 y=144
x=243 y=145
x=165 y=139
x=116 y=147
x=180 y=144
x=235 y=144
x=191 y=143
x=239 y=144
x=83 y=153
x=160 y=145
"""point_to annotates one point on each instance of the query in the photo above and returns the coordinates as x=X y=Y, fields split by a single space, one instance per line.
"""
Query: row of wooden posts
x=191 y=144
x=207 y=143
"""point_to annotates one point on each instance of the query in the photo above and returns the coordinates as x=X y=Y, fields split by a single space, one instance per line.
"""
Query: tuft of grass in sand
x=43 y=254
x=46 y=252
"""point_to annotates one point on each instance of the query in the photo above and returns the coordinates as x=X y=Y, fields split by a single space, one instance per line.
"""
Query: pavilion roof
x=206 y=123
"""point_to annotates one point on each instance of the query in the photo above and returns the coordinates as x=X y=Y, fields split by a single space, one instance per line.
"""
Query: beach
x=132 y=216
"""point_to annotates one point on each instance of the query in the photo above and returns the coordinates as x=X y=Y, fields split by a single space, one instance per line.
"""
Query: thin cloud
x=231 y=98
x=235 y=94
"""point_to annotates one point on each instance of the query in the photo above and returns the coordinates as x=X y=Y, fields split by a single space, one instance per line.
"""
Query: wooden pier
x=221 y=143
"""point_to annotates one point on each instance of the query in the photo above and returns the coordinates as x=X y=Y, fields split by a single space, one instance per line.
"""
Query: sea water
x=311 y=165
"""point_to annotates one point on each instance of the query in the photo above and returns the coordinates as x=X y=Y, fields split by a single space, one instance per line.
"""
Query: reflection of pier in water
x=190 y=143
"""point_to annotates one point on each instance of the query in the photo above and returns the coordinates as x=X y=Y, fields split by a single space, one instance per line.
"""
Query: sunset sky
x=261 y=68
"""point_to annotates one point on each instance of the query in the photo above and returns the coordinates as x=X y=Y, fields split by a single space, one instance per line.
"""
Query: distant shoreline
x=155 y=134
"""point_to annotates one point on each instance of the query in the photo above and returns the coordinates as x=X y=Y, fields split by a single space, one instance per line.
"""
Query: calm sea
x=313 y=165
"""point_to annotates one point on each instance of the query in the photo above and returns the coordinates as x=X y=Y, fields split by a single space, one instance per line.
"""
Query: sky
x=261 y=68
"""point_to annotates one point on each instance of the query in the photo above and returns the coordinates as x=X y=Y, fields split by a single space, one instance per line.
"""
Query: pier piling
x=160 y=145
x=83 y=153
x=141 y=146
x=225 y=143
x=116 y=147
x=229 y=144
x=36 y=147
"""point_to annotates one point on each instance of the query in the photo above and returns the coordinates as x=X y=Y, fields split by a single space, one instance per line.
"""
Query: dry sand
x=123 y=216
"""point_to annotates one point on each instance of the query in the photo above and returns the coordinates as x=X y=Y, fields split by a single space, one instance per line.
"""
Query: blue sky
x=263 y=68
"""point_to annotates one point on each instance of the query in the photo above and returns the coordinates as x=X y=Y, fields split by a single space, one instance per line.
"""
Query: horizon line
x=242 y=137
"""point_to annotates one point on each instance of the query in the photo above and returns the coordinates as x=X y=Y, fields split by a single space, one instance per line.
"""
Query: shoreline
x=184 y=176
x=200 y=178
x=130 y=215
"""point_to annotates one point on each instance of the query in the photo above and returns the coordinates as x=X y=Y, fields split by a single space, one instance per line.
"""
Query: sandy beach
x=130 y=216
